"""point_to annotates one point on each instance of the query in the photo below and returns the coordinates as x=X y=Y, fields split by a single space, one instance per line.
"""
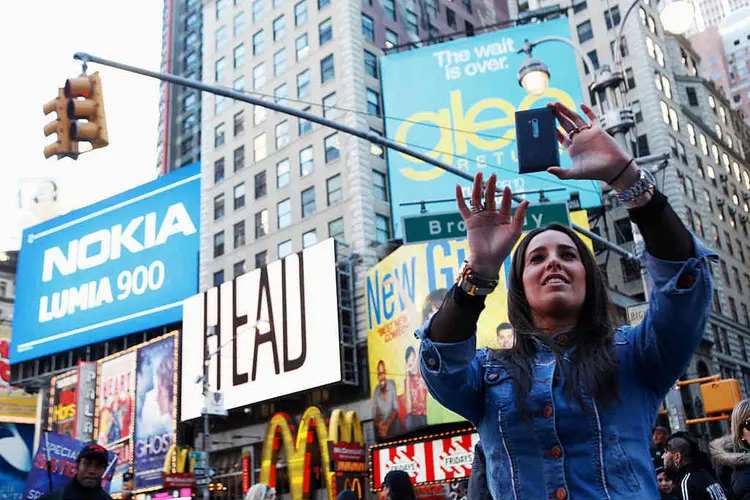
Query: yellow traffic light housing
x=64 y=146
x=86 y=102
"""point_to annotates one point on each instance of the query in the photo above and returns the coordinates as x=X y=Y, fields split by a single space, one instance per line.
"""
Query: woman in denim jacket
x=567 y=412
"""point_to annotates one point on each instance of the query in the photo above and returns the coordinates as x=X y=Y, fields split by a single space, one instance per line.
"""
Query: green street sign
x=450 y=225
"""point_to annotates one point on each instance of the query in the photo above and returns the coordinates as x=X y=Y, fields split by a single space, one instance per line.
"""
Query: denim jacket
x=564 y=451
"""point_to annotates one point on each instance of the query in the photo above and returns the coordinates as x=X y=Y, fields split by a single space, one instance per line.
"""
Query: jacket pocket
x=498 y=386
x=618 y=467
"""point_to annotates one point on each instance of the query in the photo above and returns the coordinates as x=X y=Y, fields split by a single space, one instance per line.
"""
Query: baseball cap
x=94 y=451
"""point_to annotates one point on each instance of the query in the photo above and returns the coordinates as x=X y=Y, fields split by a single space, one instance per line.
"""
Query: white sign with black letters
x=295 y=347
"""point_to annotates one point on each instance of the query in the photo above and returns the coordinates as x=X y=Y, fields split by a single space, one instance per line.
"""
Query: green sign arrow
x=450 y=225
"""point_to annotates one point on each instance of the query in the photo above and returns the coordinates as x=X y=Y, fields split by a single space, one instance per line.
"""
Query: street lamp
x=676 y=15
x=533 y=75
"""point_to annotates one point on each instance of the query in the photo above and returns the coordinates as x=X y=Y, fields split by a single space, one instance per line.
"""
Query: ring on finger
x=490 y=205
x=475 y=209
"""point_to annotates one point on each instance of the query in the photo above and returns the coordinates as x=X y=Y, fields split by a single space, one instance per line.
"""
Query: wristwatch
x=472 y=283
x=645 y=183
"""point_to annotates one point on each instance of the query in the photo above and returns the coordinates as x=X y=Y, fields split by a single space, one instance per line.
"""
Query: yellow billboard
x=15 y=404
x=401 y=292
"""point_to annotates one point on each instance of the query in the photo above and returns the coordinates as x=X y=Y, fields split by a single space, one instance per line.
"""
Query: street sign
x=202 y=481
x=636 y=313
x=450 y=225
x=198 y=455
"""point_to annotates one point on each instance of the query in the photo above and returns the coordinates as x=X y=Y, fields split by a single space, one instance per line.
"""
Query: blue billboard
x=456 y=102
x=116 y=267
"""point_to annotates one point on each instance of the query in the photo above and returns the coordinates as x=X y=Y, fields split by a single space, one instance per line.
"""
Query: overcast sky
x=37 y=43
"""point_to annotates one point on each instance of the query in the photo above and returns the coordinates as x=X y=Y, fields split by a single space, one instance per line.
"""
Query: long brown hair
x=593 y=367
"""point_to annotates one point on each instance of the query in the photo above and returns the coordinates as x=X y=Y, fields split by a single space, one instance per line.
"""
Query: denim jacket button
x=561 y=494
x=548 y=412
x=431 y=362
x=555 y=452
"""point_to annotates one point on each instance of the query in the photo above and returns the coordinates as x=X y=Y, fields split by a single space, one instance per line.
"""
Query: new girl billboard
x=465 y=116
x=401 y=292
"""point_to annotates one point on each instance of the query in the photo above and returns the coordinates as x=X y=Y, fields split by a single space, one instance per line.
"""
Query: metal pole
x=206 y=423
x=368 y=136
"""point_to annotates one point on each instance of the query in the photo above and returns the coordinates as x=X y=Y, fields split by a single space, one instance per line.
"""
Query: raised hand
x=595 y=154
x=491 y=234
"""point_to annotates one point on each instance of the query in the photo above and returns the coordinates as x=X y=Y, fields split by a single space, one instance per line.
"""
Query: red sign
x=179 y=480
x=438 y=460
x=245 y=473
x=347 y=457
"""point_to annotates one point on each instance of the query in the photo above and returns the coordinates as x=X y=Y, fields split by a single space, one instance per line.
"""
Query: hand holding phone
x=536 y=140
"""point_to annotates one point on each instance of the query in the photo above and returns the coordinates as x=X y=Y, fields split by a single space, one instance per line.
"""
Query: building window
x=637 y=113
x=733 y=310
x=280 y=94
x=219 y=206
x=259 y=114
x=304 y=126
x=327 y=71
x=323 y=3
x=389 y=6
x=239 y=55
x=239 y=24
x=308 y=202
x=239 y=123
x=279 y=62
x=376 y=149
x=257 y=11
x=278 y=28
x=725 y=343
x=261 y=224
x=594 y=57
x=745 y=316
x=219 y=104
x=238 y=268
x=283 y=176
x=325 y=31
x=379 y=183
x=450 y=17
x=261 y=259
x=630 y=78
x=382 y=228
x=218 y=277
x=221 y=37
x=284 y=213
x=717 y=337
x=260 y=184
x=371 y=64
x=642 y=144
x=368 y=28
x=300 y=13
x=221 y=6
x=259 y=76
x=306 y=162
x=219 y=135
x=301 y=47
x=239 y=195
x=258 y=43
x=585 y=33
x=630 y=270
x=612 y=17
x=373 y=103
x=743 y=348
x=285 y=247
x=412 y=26
x=282 y=134
x=239 y=234
x=391 y=39
x=219 y=170
x=336 y=229
x=219 y=244
x=329 y=105
x=736 y=276
x=331 y=145
x=623 y=231
x=277 y=3
x=260 y=147
x=303 y=83
x=309 y=238
x=333 y=190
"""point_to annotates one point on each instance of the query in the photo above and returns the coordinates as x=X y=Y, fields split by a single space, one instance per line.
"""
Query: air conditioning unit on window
x=723 y=177
x=732 y=210
x=746 y=196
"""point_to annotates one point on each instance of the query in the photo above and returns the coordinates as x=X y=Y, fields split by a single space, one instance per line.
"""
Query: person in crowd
x=260 y=491
x=478 y=489
x=692 y=480
x=415 y=393
x=432 y=302
x=397 y=486
x=346 y=495
x=665 y=480
x=91 y=465
x=568 y=411
x=658 y=440
x=385 y=405
x=504 y=334
x=732 y=453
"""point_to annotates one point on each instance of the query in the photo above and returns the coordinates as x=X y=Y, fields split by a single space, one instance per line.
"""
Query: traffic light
x=85 y=101
x=63 y=147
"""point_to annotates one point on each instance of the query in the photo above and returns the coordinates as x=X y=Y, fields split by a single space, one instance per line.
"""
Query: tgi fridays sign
x=437 y=460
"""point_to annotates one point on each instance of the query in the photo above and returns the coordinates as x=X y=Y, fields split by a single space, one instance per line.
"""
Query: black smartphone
x=536 y=140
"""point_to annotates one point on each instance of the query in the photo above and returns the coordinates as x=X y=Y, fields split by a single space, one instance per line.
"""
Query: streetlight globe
x=676 y=15
x=533 y=76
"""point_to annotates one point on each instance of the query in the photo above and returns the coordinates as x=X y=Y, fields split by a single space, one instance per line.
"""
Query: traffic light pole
x=368 y=136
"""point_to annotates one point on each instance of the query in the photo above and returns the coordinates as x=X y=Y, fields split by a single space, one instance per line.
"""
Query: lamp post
x=211 y=332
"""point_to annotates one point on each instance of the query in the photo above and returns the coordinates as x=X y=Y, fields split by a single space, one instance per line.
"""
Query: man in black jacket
x=87 y=484
x=693 y=482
